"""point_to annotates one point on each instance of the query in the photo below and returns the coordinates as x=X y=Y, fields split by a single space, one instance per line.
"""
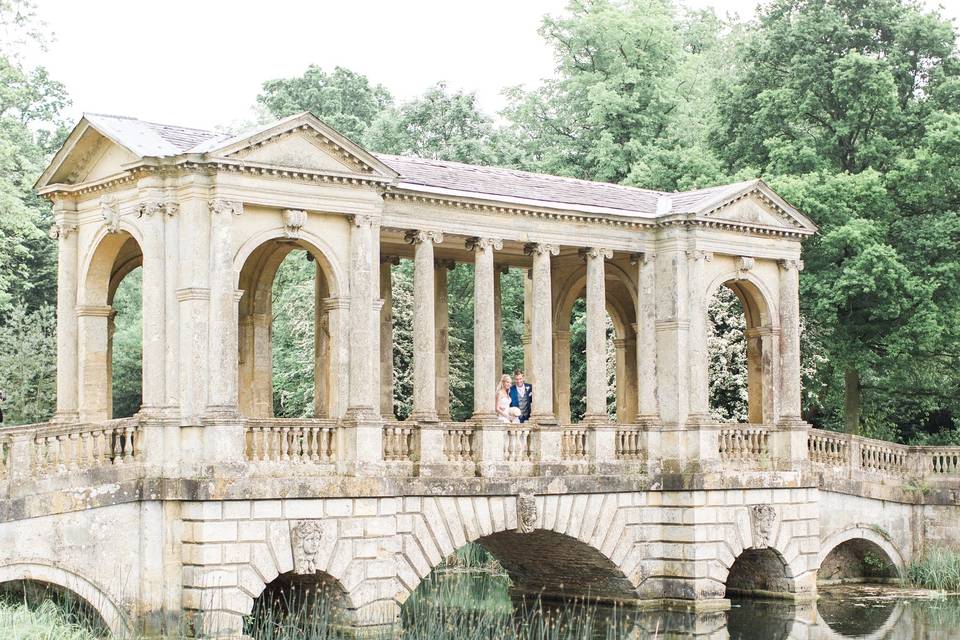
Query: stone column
x=93 y=324
x=223 y=321
x=193 y=298
x=629 y=380
x=647 y=409
x=561 y=370
x=697 y=305
x=542 y=331
x=322 y=351
x=484 y=327
x=672 y=327
x=424 y=326
x=790 y=387
x=596 y=410
x=151 y=215
x=755 y=397
x=442 y=319
x=386 y=335
x=498 y=318
x=223 y=435
x=527 y=338
x=360 y=395
x=64 y=231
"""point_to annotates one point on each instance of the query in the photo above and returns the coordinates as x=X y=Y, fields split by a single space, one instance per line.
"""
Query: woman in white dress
x=506 y=413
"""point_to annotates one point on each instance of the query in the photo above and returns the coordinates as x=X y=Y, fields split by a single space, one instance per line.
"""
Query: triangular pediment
x=87 y=156
x=757 y=205
x=302 y=142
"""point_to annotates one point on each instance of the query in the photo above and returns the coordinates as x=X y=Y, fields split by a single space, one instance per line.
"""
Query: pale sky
x=201 y=62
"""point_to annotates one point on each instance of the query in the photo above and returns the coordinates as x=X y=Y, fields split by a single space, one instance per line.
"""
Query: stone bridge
x=201 y=502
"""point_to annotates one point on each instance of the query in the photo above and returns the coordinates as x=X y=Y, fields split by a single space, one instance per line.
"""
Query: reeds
x=936 y=569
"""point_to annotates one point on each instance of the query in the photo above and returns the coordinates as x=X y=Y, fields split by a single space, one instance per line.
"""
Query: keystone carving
x=110 y=211
x=762 y=518
x=293 y=221
x=526 y=513
x=306 y=537
x=745 y=263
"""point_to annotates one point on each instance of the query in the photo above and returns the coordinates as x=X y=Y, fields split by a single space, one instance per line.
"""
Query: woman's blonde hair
x=506 y=377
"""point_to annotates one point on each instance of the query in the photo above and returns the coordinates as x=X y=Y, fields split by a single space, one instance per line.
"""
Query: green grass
x=46 y=621
x=936 y=569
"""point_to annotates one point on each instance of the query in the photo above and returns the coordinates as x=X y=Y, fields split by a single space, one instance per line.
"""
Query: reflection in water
x=456 y=606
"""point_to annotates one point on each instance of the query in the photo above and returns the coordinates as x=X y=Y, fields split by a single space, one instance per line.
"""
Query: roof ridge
x=149 y=122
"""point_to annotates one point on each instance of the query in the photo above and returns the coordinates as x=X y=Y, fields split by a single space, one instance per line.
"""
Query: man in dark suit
x=521 y=395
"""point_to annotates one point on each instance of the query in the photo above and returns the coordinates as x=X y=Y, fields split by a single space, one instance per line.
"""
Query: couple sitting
x=514 y=401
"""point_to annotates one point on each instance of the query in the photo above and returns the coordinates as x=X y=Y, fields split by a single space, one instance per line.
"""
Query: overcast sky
x=201 y=62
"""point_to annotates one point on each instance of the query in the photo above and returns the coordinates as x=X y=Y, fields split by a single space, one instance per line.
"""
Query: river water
x=459 y=606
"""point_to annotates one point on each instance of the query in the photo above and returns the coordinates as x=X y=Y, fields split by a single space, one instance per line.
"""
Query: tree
x=439 y=125
x=28 y=356
x=344 y=99
x=127 y=352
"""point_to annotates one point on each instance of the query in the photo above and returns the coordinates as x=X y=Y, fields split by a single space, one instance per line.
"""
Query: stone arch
x=113 y=617
x=880 y=631
x=300 y=590
x=261 y=257
x=759 y=571
x=762 y=334
x=856 y=540
x=583 y=535
x=112 y=256
x=621 y=308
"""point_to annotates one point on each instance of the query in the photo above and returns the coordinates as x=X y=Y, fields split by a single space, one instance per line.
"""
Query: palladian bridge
x=193 y=507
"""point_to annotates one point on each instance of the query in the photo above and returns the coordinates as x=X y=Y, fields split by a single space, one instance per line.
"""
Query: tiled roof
x=150 y=139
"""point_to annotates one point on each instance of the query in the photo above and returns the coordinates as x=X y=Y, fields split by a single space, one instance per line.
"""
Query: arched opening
x=540 y=580
x=740 y=351
x=290 y=323
x=110 y=330
x=759 y=573
x=300 y=606
x=615 y=363
x=54 y=607
x=856 y=560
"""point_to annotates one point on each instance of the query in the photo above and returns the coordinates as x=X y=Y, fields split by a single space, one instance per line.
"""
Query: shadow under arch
x=312 y=605
x=92 y=596
x=760 y=572
x=859 y=553
x=871 y=623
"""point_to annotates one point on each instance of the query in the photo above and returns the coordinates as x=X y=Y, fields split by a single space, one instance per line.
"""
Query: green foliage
x=128 y=346
x=292 y=336
x=727 y=351
x=344 y=99
x=28 y=356
x=938 y=568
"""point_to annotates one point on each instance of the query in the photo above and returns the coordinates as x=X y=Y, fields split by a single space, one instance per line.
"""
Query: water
x=456 y=606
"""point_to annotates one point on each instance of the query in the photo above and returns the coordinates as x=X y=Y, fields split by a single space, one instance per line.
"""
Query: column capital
x=642 y=257
x=587 y=253
x=293 y=221
x=540 y=248
x=220 y=206
x=150 y=208
x=418 y=236
x=482 y=244
x=61 y=231
x=791 y=264
x=699 y=254
x=362 y=219
x=94 y=310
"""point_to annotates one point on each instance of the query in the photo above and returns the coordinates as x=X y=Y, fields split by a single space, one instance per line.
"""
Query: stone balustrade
x=517 y=444
x=289 y=440
x=744 y=442
x=851 y=454
x=398 y=441
x=573 y=445
x=458 y=442
x=82 y=446
x=629 y=443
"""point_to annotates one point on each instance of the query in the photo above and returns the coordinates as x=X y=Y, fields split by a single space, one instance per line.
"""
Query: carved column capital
x=788 y=265
x=642 y=257
x=293 y=221
x=595 y=252
x=219 y=206
x=61 y=230
x=417 y=236
x=482 y=244
x=540 y=248
x=699 y=254
x=362 y=220
x=166 y=207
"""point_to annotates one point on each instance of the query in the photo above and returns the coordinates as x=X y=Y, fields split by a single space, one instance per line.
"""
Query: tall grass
x=936 y=569
x=47 y=621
